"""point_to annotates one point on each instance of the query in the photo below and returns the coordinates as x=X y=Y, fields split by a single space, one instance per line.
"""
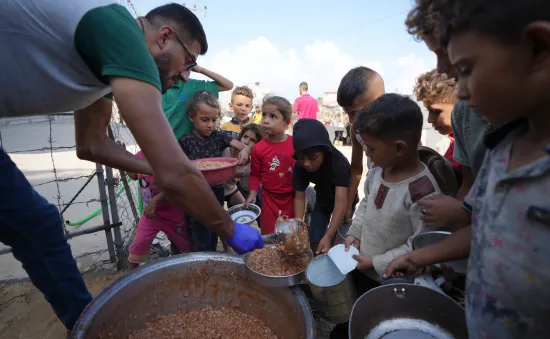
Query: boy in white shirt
x=388 y=217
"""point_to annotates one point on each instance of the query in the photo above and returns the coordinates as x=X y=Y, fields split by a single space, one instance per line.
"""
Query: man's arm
x=140 y=106
x=224 y=83
x=93 y=144
x=355 y=173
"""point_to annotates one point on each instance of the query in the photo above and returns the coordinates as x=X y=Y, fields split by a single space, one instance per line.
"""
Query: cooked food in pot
x=272 y=261
x=206 y=323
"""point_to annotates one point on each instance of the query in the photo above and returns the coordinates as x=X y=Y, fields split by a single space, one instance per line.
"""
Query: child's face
x=440 y=117
x=502 y=82
x=205 y=119
x=273 y=122
x=383 y=153
x=311 y=162
x=358 y=103
x=249 y=139
x=241 y=106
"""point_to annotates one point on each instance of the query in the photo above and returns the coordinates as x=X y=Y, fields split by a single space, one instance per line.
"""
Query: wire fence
x=98 y=200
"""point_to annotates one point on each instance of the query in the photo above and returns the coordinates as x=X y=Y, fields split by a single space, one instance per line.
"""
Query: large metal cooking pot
x=430 y=238
x=191 y=281
x=403 y=311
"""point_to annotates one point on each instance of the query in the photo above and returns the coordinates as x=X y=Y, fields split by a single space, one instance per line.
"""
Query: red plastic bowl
x=219 y=175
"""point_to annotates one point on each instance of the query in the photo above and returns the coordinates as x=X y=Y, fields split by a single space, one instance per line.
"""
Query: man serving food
x=75 y=56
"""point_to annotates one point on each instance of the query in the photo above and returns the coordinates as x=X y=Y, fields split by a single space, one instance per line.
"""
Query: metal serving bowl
x=244 y=215
x=430 y=238
x=276 y=281
x=191 y=281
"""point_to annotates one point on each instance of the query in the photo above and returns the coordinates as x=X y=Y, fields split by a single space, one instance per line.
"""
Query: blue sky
x=281 y=43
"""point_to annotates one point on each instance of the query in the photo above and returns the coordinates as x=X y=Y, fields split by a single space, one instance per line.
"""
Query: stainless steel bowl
x=404 y=311
x=249 y=213
x=276 y=281
x=429 y=238
x=191 y=281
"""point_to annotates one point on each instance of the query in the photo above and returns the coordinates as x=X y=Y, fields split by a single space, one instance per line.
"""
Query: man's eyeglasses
x=191 y=56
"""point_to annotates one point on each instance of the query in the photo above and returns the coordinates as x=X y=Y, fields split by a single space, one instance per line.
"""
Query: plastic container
x=219 y=175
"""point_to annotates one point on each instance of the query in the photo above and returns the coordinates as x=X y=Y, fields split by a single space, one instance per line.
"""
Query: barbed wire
x=126 y=198
x=44 y=149
x=129 y=4
x=64 y=179
x=54 y=170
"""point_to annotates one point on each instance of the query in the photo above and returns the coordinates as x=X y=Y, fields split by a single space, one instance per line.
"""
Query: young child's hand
x=149 y=210
x=352 y=241
x=244 y=156
x=324 y=245
x=251 y=199
x=443 y=211
x=402 y=265
x=363 y=262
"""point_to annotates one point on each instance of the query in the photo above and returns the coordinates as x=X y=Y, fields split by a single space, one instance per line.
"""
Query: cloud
x=410 y=66
x=321 y=63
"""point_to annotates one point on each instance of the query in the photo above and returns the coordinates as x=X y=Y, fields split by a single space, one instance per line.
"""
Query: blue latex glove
x=245 y=239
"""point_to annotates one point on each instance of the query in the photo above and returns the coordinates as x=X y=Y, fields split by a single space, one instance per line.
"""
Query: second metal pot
x=275 y=281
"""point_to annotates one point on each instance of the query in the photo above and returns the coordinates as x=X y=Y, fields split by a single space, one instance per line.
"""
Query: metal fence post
x=105 y=211
x=114 y=215
x=128 y=191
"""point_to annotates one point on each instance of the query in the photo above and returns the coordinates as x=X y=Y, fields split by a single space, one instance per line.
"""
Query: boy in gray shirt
x=507 y=294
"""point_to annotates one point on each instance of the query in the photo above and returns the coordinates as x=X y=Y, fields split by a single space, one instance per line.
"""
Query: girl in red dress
x=272 y=164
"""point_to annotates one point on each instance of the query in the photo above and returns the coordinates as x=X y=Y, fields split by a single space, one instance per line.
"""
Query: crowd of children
x=487 y=97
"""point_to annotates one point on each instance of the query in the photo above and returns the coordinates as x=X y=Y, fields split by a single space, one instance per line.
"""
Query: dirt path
x=24 y=313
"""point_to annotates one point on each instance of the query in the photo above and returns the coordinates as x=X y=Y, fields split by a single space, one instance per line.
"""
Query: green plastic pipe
x=96 y=212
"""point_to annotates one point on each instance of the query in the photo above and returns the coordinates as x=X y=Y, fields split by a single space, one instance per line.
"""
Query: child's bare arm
x=299 y=204
x=340 y=205
x=149 y=210
x=238 y=145
x=357 y=226
x=244 y=154
x=356 y=171
x=251 y=199
x=225 y=84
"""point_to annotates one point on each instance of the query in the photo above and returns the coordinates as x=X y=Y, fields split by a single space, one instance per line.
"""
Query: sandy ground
x=24 y=313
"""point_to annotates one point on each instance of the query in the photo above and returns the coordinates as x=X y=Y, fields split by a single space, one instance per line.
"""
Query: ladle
x=291 y=234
